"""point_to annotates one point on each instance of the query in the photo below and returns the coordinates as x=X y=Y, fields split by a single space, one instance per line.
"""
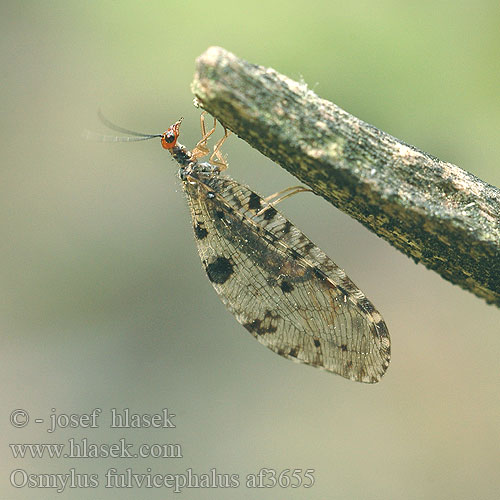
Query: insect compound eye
x=169 y=139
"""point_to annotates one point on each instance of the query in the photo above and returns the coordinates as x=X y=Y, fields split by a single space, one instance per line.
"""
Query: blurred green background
x=103 y=299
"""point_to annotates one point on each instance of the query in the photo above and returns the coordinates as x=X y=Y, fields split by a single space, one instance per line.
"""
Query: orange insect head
x=169 y=137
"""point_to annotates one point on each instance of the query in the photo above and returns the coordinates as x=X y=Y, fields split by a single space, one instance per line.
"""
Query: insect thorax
x=191 y=167
x=181 y=155
x=202 y=171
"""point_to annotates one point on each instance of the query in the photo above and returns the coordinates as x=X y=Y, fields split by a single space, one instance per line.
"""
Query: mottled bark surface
x=431 y=210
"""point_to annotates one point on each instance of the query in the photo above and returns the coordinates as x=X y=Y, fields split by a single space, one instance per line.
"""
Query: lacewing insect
x=278 y=284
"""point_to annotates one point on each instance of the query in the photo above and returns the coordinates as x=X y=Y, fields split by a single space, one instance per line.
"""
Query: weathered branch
x=431 y=210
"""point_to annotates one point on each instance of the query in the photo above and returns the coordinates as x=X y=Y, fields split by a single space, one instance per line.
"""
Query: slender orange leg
x=220 y=161
x=201 y=149
x=280 y=196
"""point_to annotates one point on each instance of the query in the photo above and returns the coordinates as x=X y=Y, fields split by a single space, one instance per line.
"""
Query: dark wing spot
x=286 y=286
x=200 y=232
x=343 y=347
x=219 y=270
x=269 y=314
x=219 y=214
x=253 y=326
x=308 y=247
x=367 y=306
x=382 y=328
x=254 y=202
x=269 y=213
x=294 y=352
x=287 y=227
x=317 y=343
x=259 y=327
x=236 y=201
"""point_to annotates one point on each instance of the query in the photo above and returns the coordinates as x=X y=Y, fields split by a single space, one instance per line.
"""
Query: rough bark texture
x=431 y=210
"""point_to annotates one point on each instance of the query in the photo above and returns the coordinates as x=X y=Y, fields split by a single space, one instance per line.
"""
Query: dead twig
x=429 y=209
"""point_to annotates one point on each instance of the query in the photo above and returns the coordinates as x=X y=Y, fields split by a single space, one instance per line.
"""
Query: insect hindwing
x=282 y=288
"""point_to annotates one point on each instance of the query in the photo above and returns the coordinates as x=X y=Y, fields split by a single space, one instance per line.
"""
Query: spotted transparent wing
x=280 y=286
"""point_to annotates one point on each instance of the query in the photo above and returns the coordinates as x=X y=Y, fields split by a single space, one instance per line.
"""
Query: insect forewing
x=282 y=288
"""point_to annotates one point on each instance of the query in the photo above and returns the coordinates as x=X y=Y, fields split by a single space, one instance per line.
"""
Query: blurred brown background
x=103 y=299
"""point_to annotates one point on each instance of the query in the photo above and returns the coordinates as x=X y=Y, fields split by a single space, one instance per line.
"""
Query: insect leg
x=220 y=162
x=201 y=148
x=280 y=196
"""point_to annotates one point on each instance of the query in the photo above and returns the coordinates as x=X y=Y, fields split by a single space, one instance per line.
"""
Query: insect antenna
x=137 y=136
x=122 y=130
x=93 y=136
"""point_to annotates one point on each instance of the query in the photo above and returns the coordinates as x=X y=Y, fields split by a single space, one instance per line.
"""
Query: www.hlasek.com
x=265 y=478
x=84 y=448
